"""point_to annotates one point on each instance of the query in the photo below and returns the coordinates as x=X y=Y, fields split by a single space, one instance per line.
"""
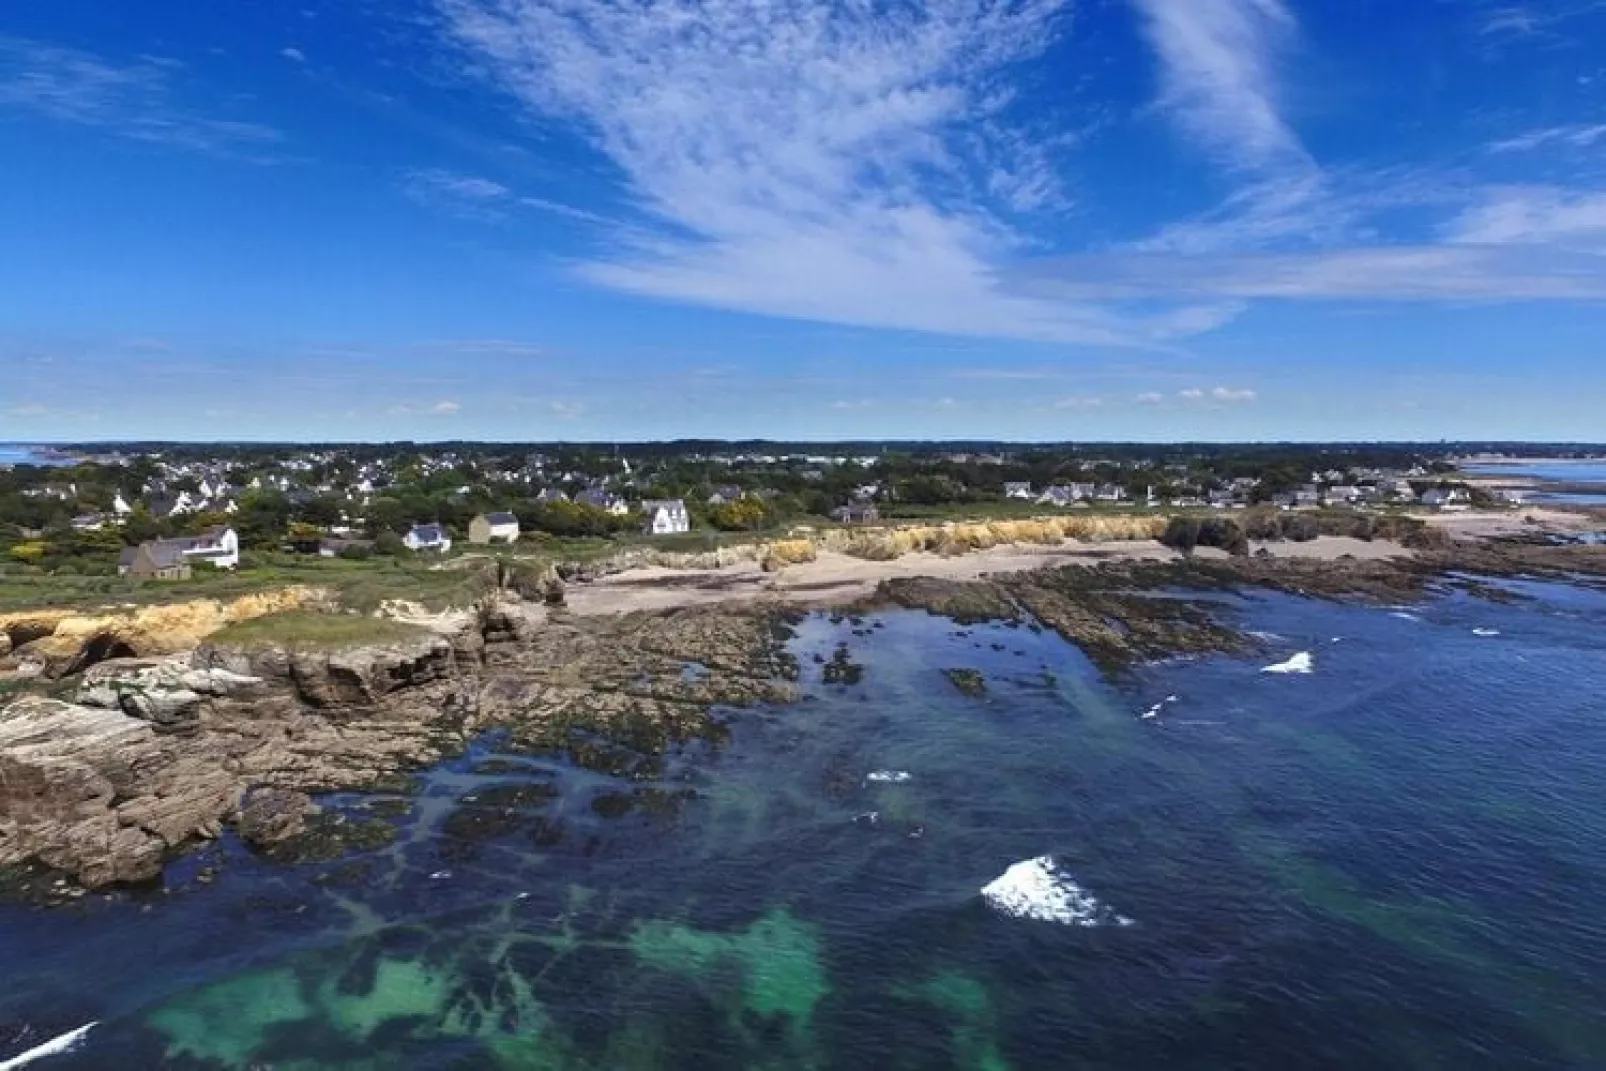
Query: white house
x=120 y=505
x=1018 y=490
x=1343 y=493
x=1448 y=498
x=219 y=545
x=428 y=537
x=666 y=516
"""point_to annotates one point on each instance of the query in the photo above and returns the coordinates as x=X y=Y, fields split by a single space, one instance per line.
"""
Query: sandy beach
x=833 y=579
x=1490 y=524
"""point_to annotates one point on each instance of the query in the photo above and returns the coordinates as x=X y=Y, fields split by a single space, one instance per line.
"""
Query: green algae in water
x=233 y=1022
x=778 y=958
x=975 y=1029
x=228 y=1023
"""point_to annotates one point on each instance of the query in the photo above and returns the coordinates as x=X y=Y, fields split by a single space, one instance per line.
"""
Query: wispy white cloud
x=1218 y=75
x=483 y=347
x=294 y=55
x=1079 y=402
x=475 y=197
x=567 y=410
x=1449 y=272
x=1576 y=136
x=444 y=407
x=847 y=163
x=1230 y=395
x=1535 y=215
x=138 y=100
x=463 y=195
x=1150 y=398
x=1542 y=20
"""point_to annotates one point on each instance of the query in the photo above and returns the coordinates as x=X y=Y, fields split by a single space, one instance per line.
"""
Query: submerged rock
x=842 y=669
x=969 y=681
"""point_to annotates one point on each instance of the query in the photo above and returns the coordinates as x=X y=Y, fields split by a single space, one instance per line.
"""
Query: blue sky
x=633 y=219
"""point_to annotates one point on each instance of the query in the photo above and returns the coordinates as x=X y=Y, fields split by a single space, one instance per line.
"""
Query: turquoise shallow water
x=1394 y=861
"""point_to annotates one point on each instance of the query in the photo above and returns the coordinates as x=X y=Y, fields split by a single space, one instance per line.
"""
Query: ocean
x=1390 y=860
x=19 y=454
x=1578 y=473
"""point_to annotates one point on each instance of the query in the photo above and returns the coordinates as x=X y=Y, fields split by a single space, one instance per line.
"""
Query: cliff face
x=152 y=753
x=63 y=642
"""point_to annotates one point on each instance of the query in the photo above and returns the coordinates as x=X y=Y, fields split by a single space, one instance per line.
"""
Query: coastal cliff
x=61 y=642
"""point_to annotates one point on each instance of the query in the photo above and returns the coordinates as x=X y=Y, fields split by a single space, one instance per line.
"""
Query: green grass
x=359 y=585
x=304 y=629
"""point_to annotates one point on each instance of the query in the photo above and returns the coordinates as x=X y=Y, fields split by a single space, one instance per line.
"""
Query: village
x=163 y=512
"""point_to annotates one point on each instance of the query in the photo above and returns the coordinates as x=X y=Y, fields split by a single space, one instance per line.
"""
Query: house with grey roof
x=493 y=528
x=430 y=537
x=173 y=559
x=607 y=501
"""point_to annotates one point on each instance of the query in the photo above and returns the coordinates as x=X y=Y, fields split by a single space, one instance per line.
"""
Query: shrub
x=1181 y=533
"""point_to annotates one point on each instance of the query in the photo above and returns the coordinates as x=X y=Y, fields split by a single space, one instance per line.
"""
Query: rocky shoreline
x=136 y=759
x=105 y=782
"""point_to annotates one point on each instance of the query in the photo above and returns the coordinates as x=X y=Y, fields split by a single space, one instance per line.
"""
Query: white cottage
x=666 y=516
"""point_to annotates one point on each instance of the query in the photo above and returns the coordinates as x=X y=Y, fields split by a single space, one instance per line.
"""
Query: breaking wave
x=58 y=1046
x=1038 y=889
x=1299 y=663
x=888 y=777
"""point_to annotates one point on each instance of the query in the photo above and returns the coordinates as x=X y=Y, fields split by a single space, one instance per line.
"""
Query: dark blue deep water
x=1396 y=861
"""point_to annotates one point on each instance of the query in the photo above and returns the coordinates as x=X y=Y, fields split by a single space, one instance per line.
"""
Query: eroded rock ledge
x=148 y=755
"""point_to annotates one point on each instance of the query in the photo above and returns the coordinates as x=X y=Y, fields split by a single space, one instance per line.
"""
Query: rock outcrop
x=153 y=753
x=63 y=642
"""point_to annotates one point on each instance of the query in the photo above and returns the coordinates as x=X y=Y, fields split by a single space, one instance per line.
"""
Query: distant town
x=163 y=511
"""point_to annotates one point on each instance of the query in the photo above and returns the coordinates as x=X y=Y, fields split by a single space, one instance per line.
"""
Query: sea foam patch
x=1154 y=711
x=1038 y=889
x=888 y=777
x=1299 y=663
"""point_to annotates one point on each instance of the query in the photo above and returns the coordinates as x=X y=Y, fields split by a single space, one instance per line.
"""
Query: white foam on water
x=1154 y=711
x=1038 y=889
x=1300 y=663
x=1486 y=632
x=59 y=1046
x=1404 y=615
x=888 y=777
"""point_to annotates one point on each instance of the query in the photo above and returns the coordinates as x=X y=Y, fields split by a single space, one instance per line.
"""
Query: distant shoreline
x=1597 y=460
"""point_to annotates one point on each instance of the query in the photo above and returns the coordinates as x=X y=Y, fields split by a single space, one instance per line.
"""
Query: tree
x=387 y=514
x=390 y=544
x=1182 y=533
x=743 y=515
x=263 y=518
x=140 y=526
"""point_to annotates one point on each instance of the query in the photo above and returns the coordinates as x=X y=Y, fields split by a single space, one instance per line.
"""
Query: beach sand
x=834 y=579
x=1488 y=524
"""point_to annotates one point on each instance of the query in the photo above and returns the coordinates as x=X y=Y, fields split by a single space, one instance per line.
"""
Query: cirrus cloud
x=845 y=163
